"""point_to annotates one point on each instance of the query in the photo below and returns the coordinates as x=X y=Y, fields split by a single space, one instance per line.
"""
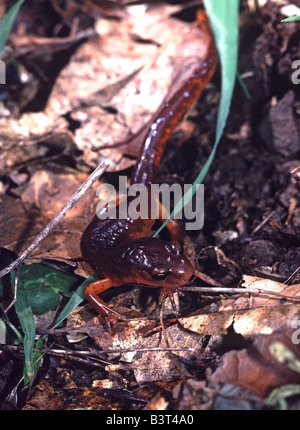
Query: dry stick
x=264 y=221
x=292 y=275
x=240 y=291
x=15 y=289
x=60 y=215
x=115 y=351
x=227 y=290
x=102 y=352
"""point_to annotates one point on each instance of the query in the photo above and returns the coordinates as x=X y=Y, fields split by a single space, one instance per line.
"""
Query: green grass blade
x=224 y=19
x=223 y=16
x=291 y=18
x=244 y=87
x=15 y=336
x=7 y=23
x=28 y=326
x=75 y=300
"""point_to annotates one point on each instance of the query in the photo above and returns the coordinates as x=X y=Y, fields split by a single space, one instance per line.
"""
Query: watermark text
x=296 y=333
x=155 y=202
x=2 y=72
x=296 y=74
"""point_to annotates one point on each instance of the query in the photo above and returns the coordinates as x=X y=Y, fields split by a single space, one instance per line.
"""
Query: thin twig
x=225 y=290
x=73 y=200
x=94 y=353
x=15 y=290
x=118 y=351
x=292 y=275
x=264 y=221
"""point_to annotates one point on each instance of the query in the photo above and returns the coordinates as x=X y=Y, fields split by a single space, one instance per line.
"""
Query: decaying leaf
x=256 y=369
x=41 y=198
x=245 y=322
x=146 y=355
x=259 y=313
x=262 y=299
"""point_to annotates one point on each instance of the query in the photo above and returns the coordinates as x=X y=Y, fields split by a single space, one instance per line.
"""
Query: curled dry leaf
x=256 y=368
x=245 y=322
x=259 y=314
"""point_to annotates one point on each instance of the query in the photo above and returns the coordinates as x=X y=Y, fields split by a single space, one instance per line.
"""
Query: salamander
x=122 y=251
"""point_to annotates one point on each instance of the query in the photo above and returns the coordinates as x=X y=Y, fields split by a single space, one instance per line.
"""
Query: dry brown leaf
x=260 y=314
x=43 y=196
x=259 y=299
x=45 y=397
x=16 y=226
x=29 y=127
x=255 y=368
x=260 y=318
x=245 y=322
x=49 y=191
x=32 y=153
x=158 y=403
x=72 y=397
x=268 y=285
x=132 y=78
x=147 y=365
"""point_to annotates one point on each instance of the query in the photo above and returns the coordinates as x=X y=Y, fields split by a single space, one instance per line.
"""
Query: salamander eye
x=160 y=276
x=159 y=273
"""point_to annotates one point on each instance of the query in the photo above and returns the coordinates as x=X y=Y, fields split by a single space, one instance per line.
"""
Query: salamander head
x=157 y=263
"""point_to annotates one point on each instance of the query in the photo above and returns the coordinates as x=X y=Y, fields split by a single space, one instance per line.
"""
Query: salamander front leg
x=167 y=292
x=91 y=294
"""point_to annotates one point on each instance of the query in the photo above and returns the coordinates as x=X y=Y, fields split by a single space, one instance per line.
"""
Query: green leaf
x=223 y=16
x=43 y=285
x=38 y=292
x=7 y=23
x=26 y=319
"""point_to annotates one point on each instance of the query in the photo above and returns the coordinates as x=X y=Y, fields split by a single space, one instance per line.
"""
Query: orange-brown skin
x=120 y=250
